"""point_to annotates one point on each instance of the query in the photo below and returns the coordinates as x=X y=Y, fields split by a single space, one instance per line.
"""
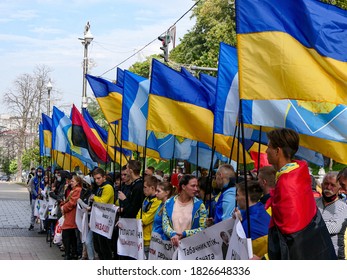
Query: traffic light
x=165 y=39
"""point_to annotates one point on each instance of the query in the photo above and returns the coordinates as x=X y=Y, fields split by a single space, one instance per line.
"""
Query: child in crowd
x=164 y=191
x=148 y=210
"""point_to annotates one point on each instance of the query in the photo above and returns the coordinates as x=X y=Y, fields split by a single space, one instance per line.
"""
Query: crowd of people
x=279 y=206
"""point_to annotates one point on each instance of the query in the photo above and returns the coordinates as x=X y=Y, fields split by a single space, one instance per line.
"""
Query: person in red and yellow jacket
x=297 y=230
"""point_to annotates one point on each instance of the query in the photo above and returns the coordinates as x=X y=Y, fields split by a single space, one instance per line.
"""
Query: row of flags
x=283 y=74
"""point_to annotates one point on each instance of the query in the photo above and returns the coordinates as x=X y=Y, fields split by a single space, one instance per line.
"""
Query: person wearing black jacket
x=133 y=201
x=31 y=175
x=58 y=190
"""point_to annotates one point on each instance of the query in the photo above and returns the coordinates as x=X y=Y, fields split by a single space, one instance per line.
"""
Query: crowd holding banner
x=174 y=115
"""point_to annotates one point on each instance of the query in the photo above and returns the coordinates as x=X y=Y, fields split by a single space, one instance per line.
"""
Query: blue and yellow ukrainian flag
x=41 y=141
x=134 y=119
x=179 y=105
x=292 y=50
x=109 y=97
x=47 y=131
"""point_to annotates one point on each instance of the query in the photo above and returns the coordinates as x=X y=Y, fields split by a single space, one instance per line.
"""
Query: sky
x=46 y=32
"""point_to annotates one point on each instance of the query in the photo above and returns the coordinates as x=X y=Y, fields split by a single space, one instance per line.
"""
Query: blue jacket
x=225 y=203
x=199 y=215
x=36 y=183
x=158 y=223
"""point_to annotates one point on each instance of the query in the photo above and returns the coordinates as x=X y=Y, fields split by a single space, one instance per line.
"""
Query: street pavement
x=16 y=241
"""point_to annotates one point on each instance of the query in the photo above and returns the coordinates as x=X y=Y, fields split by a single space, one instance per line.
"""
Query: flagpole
x=210 y=179
x=63 y=161
x=51 y=157
x=173 y=157
x=245 y=171
x=121 y=155
x=238 y=152
x=115 y=150
x=233 y=144
x=259 y=143
x=144 y=166
x=144 y=158
x=115 y=137
x=210 y=172
x=197 y=159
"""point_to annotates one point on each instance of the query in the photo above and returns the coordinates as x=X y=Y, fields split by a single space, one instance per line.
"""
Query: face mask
x=39 y=173
x=58 y=178
x=330 y=198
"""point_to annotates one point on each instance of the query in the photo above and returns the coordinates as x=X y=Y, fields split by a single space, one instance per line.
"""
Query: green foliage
x=161 y=165
x=340 y=3
x=215 y=23
x=336 y=167
x=5 y=165
x=31 y=157
x=143 y=68
x=13 y=166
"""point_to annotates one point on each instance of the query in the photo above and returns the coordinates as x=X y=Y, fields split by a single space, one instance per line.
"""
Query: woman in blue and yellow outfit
x=184 y=214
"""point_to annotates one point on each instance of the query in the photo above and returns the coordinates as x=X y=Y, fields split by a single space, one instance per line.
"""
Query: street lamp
x=49 y=88
x=86 y=40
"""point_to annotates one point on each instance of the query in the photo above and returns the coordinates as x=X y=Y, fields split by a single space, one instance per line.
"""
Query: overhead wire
x=145 y=46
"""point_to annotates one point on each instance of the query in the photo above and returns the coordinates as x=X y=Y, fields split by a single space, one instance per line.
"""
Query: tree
x=215 y=23
x=31 y=157
x=13 y=168
x=143 y=68
x=26 y=100
x=340 y=3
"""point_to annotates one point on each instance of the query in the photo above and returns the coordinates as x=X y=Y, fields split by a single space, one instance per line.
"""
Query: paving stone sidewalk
x=16 y=241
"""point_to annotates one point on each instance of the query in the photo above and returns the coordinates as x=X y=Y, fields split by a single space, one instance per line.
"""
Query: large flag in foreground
x=109 y=97
x=292 y=50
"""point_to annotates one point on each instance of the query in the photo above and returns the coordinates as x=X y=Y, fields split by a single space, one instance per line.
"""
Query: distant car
x=5 y=178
